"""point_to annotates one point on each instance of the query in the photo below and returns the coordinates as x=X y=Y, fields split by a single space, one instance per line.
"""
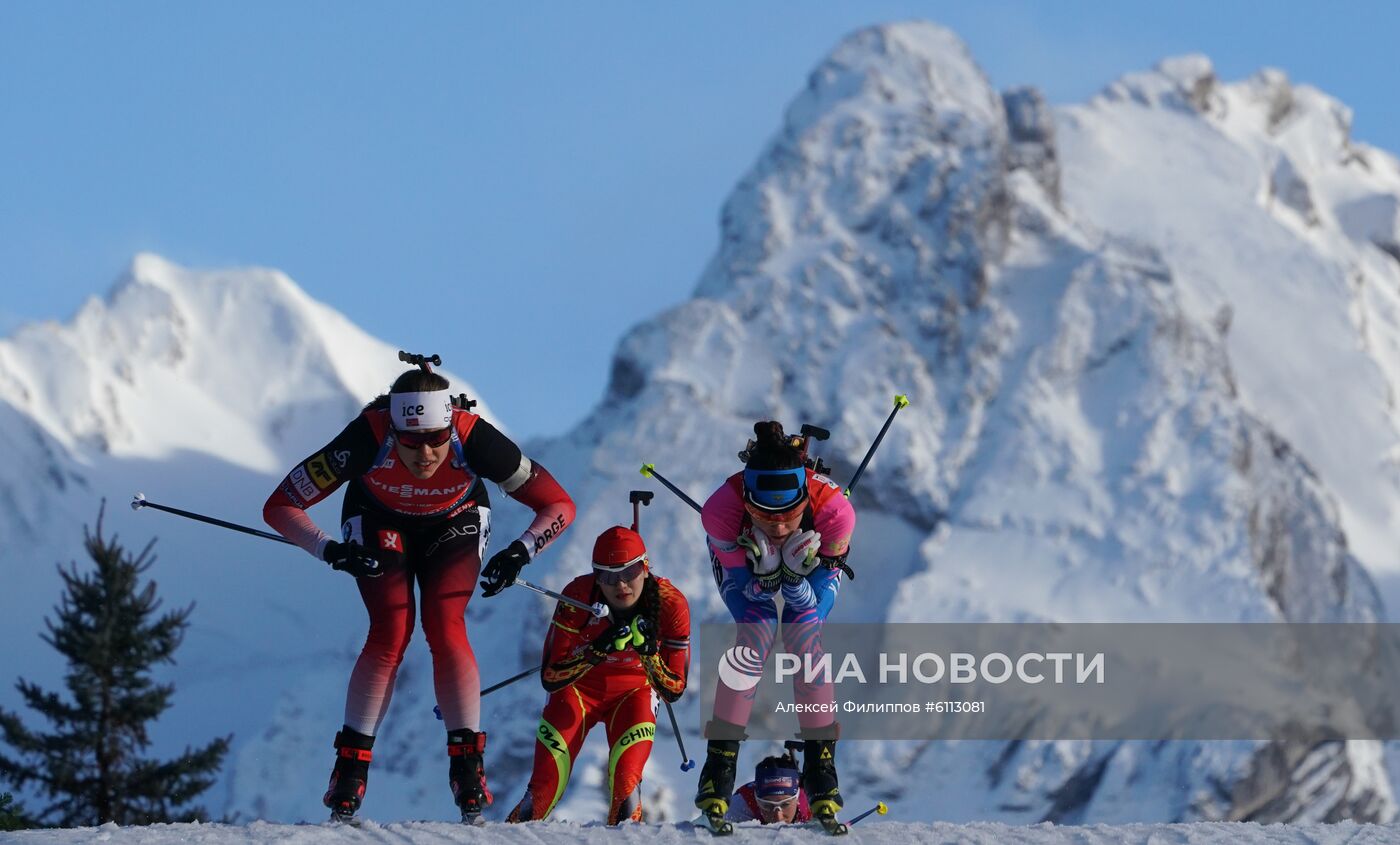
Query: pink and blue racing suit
x=805 y=604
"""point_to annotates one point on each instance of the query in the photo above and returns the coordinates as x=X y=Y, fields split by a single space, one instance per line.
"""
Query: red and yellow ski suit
x=619 y=691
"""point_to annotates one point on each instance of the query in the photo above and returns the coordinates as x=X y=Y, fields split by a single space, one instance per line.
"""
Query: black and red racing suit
x=432 y=530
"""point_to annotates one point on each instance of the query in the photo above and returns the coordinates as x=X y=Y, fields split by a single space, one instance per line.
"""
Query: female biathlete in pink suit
x=416 y=509
x=777 y=528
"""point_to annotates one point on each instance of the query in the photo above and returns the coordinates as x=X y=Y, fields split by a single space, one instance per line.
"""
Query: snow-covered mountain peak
x=1267 y=105
x=236 y=363
x=1266 y=211
x=914 y=66
x=1182 y=82
x=1067 y=397
x=1307 y=127
x=1081 y=444
x=898 y=127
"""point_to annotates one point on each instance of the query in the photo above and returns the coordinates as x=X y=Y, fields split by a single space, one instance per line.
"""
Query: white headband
x=618 y=567
x=426 y=411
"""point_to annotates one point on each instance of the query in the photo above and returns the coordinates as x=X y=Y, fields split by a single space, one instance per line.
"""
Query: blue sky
x=511 y=185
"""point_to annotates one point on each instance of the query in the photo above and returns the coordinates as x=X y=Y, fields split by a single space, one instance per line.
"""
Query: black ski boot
x=466 y=773
x=820 y=784
x=717 y=775
x=350 y=775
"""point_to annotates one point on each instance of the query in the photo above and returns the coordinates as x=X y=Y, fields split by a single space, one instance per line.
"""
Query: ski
x=473 y=819
x=832 y=825
x=715 y=823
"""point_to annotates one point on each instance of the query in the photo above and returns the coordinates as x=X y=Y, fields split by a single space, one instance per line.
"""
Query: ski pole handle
x=900 y=401
x=139 y=501
x=649 y=471
x=878 y=808
x=598 y=609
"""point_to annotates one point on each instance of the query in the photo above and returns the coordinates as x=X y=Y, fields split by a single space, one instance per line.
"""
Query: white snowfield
x=558 y=833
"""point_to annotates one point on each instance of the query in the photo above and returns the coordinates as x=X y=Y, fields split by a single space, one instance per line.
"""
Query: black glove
x=352 y=558
x=619 y=636
x=504 y=565
x=645 y=634
x=613 y=638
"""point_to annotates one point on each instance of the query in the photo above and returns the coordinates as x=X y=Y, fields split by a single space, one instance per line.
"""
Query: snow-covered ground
x=568 y=833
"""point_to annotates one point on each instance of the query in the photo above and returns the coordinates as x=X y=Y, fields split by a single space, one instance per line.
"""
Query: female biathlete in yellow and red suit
x=608 y=670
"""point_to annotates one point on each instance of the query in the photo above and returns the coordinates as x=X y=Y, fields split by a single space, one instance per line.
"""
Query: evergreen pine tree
x=12 y=815
x=91 y=765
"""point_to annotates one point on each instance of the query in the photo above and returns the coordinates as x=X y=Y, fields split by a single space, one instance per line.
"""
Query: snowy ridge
x=183 y=359
x=1280 y=228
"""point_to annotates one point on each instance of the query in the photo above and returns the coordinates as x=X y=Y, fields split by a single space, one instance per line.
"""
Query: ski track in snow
x=895 y=833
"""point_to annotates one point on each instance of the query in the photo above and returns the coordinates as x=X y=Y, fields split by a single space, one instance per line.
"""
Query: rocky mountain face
x=1151 y=345
x=1082 y=445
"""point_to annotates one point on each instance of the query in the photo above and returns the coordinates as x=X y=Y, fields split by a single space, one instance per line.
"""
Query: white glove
x=799 y=554
x=764 y=557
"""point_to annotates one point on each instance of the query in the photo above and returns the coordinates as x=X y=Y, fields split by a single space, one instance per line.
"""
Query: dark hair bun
x=769 y=432
x=772 y=448
x=418 y=380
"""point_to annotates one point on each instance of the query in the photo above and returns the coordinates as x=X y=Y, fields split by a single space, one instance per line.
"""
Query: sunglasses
x=776 y=804
x=613 y=577
x=419 y=439
x=774 y=518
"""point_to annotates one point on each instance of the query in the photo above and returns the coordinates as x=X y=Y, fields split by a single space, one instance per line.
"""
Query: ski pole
x=598 y=609
x=687 y=764
x=649 y=471
x=139 y=501
x=900 y=401
x=512 y=679
x=639 y=500
x=437 y=711
x=878 y=808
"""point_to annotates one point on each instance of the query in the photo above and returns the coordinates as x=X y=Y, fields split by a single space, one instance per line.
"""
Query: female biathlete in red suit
x=416 y=509
x=608 y=670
